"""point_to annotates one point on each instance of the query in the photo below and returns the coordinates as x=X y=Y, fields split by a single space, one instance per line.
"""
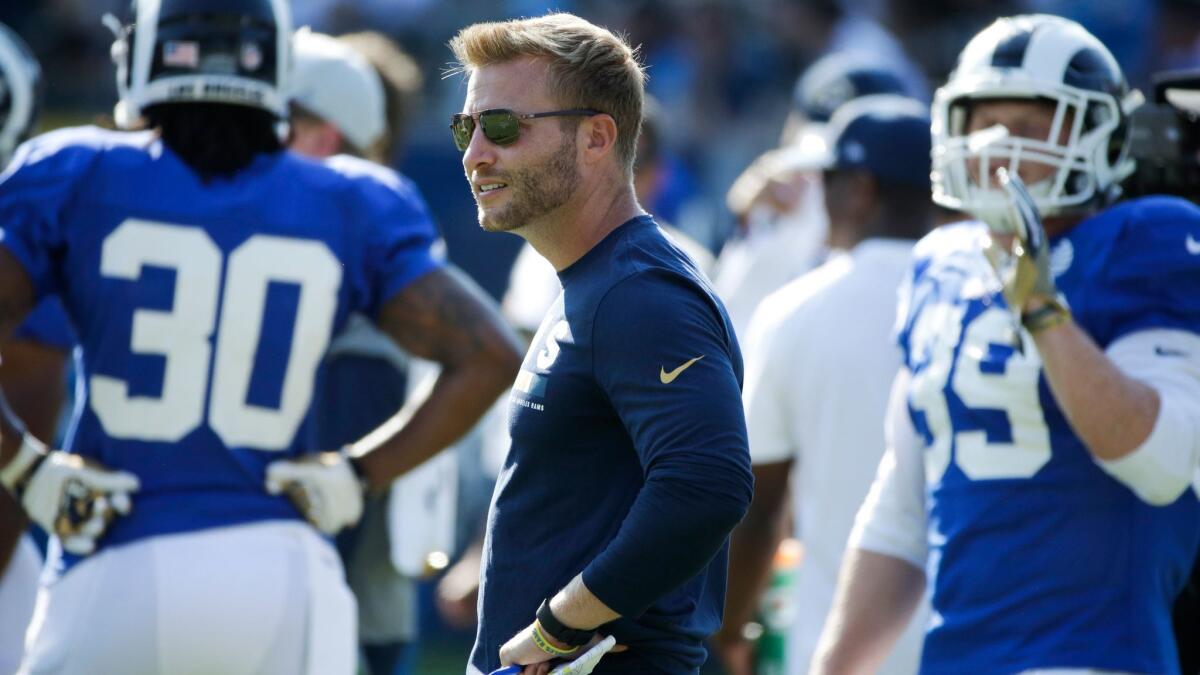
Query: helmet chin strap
x=125 y=114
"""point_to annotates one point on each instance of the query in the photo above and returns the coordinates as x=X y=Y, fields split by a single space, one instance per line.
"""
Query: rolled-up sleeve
x=1167 y=463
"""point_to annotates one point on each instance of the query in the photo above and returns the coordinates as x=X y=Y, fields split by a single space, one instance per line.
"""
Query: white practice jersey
x=819 y=366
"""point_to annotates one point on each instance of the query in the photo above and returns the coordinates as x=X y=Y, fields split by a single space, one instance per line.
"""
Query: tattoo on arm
x=444 y=317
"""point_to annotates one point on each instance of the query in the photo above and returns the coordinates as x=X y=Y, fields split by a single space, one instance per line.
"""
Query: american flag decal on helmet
x=181 y=54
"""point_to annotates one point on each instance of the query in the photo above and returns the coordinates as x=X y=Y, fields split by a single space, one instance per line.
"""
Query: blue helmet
x=840 y=77
x=215 y=51
x=20 y=92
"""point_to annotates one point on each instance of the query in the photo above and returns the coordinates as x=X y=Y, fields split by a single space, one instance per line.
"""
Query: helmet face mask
x=214 y=51
x=20 y=92
x=1085 y=153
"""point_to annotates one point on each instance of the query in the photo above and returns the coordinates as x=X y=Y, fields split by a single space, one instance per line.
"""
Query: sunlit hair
x=589 y=67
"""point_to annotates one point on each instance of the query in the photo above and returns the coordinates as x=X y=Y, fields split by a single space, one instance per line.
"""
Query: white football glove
x=67 y=495
x=324 y=486
x=587 y=662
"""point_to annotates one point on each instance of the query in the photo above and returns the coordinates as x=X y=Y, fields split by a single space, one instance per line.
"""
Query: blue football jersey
x=1038 y=558
x=204 y=308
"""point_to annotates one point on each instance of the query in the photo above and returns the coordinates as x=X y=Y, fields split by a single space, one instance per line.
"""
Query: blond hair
x=588 y=66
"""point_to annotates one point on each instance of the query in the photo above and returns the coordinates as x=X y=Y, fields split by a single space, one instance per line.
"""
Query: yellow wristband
x=1045 y=317
x=543 y=644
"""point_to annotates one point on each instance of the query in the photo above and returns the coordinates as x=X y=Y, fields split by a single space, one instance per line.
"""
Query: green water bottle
x=778 y=609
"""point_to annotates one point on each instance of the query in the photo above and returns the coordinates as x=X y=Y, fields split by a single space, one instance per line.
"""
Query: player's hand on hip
x=526 y=649
x=68 y=495
x=324 y=486
x=1024 y=271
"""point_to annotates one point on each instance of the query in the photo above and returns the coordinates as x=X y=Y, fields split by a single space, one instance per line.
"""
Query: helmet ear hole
x=960 y=117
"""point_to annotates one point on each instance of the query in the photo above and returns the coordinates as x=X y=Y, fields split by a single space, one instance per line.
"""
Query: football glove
x=324 y=486
x=67 y=495
x=1024 y=272
x=587 y=662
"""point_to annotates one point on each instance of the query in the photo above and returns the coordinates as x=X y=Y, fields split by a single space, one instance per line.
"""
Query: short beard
x=537 y=190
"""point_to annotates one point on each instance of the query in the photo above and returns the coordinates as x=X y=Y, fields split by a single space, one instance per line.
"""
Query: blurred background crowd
x=723 y=73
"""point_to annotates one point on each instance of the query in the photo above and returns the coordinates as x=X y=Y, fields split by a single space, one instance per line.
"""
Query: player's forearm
x=1112 y=413
x=32 y=376
x=752 y=547
x=445 y=318
x=13 y=523
x=875 y=598
x=681 y=519
x=425 y=427
x=577 y=607
x=12 y=430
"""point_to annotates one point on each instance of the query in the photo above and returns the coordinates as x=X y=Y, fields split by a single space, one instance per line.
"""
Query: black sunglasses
x=501 y=126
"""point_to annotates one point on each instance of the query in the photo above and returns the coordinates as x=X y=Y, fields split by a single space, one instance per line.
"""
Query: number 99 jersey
x=204 y=309
x=1038 y=557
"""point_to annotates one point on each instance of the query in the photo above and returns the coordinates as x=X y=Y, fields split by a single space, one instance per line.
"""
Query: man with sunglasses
x=629 y=463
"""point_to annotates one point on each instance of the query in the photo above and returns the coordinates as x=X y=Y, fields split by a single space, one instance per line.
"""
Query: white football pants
x=18 y=591
x=260 y=599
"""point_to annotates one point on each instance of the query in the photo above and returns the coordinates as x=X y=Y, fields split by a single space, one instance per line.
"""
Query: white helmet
x=20 y=92
x=1035 y=57
x=212 y=51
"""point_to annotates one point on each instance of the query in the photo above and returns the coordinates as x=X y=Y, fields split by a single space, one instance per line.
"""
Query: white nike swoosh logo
x=1193 y=246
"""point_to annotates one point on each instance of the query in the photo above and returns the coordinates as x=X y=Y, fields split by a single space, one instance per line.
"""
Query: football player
x=1044 y=428
x=205 y=269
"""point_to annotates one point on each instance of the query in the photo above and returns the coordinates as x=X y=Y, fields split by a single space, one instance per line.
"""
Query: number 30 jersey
x=204 y=308
x=1038 y=558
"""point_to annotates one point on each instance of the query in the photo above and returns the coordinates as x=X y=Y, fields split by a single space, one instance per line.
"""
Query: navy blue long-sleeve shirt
x=629 y=460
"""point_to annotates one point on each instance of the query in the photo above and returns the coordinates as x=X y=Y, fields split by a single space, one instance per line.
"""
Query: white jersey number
x=955 y=355
x=183 y=334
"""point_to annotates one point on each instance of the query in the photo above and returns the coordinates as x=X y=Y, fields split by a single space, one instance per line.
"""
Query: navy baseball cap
x=841 y=77
x=887 y=136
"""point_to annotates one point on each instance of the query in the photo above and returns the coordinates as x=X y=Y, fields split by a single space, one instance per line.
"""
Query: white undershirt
x=819 y=364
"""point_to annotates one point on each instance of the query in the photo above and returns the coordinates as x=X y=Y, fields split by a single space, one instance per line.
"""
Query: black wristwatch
x=572 y=637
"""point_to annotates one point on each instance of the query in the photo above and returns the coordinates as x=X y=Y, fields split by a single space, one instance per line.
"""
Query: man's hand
x=68 y=495
x=458 y=591
x=586 y=663
x=522 y=650
x=324 y=486
x=769 y=182
x=1028 y=283
x=737 y=654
